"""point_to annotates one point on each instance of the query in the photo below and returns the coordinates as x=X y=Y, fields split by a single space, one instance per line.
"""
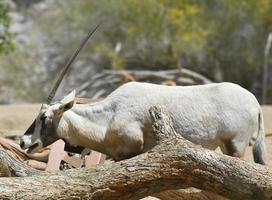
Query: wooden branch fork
x=174 y=163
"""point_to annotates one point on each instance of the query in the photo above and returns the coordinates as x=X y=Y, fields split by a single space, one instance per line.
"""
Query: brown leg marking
x=232 y=150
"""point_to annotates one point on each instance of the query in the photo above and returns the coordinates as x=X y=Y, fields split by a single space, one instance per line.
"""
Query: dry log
x=100 y=85
x=9 y=166
x=15 y=151
x=141 y=75
x=36 y=164
x=174 y=163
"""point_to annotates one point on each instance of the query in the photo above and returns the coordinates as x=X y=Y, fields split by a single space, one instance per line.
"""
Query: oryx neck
x=93 y=110
x=85 y=125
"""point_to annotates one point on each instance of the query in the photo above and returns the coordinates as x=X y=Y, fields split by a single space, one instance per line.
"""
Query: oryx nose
x=22 y=144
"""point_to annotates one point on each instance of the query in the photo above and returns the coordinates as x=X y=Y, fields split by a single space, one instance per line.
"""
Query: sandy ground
x=15 y=119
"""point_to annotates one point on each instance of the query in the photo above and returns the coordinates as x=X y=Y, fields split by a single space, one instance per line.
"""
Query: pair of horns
x=68 y=64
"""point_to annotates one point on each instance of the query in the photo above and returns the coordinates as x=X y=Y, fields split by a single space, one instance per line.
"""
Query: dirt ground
x=15 y=119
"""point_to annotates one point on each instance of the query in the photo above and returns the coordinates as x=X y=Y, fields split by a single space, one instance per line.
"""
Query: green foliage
x=16 y=69
x=222 y=39
x=236 y=44
x=152 y=34
x=5 y=37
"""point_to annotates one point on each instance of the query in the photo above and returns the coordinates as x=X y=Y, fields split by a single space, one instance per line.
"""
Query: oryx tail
x=259 y=149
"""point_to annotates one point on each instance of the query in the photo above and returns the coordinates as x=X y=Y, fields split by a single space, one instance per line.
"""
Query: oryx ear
x=44 y=106
x=68 y=101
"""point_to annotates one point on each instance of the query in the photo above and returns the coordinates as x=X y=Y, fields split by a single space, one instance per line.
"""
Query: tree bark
x=9 y=166
x=188 y=194
x=174 y=163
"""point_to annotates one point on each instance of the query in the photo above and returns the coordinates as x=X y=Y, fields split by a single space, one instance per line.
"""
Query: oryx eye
x=43 y=117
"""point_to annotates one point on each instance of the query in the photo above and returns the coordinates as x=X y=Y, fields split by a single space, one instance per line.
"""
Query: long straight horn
x=68 y=64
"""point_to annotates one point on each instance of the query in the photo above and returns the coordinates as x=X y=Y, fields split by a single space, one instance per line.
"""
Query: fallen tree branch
x=9 y=166
x=14 y=149
x=174 y=163
x=103 y=83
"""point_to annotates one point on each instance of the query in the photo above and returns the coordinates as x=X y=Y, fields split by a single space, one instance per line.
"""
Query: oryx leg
x=233 y=148
x=124 y=140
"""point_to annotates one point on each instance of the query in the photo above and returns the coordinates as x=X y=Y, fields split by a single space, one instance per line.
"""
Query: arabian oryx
x=212 y=115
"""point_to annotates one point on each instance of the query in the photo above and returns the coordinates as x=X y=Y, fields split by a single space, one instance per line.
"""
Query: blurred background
x=173 y=42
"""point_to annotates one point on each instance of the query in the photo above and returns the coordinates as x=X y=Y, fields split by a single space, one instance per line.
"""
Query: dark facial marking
x=31 y=129
x=43 y=117
x=43 y=129
x=48 y=133
x=47 y=128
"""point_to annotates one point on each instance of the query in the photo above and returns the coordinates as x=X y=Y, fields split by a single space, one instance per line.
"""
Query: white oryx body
x=212 y=115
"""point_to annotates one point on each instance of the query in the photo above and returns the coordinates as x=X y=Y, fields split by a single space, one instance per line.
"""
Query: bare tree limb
x=265 y=67
x=9 y=166
x=174 y=163
x=108 y=80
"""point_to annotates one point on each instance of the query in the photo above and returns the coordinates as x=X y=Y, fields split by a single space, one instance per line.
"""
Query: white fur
x=70 y=97
x=120 y=125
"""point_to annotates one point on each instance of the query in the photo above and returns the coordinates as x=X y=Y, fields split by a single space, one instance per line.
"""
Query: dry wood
x=106 y=81
x=174 y=163
x=36 y=164
x=9 y=166
x=14 y=149
x=188 y=194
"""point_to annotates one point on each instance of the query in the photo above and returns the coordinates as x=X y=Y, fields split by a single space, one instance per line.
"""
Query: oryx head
x=42 y=131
